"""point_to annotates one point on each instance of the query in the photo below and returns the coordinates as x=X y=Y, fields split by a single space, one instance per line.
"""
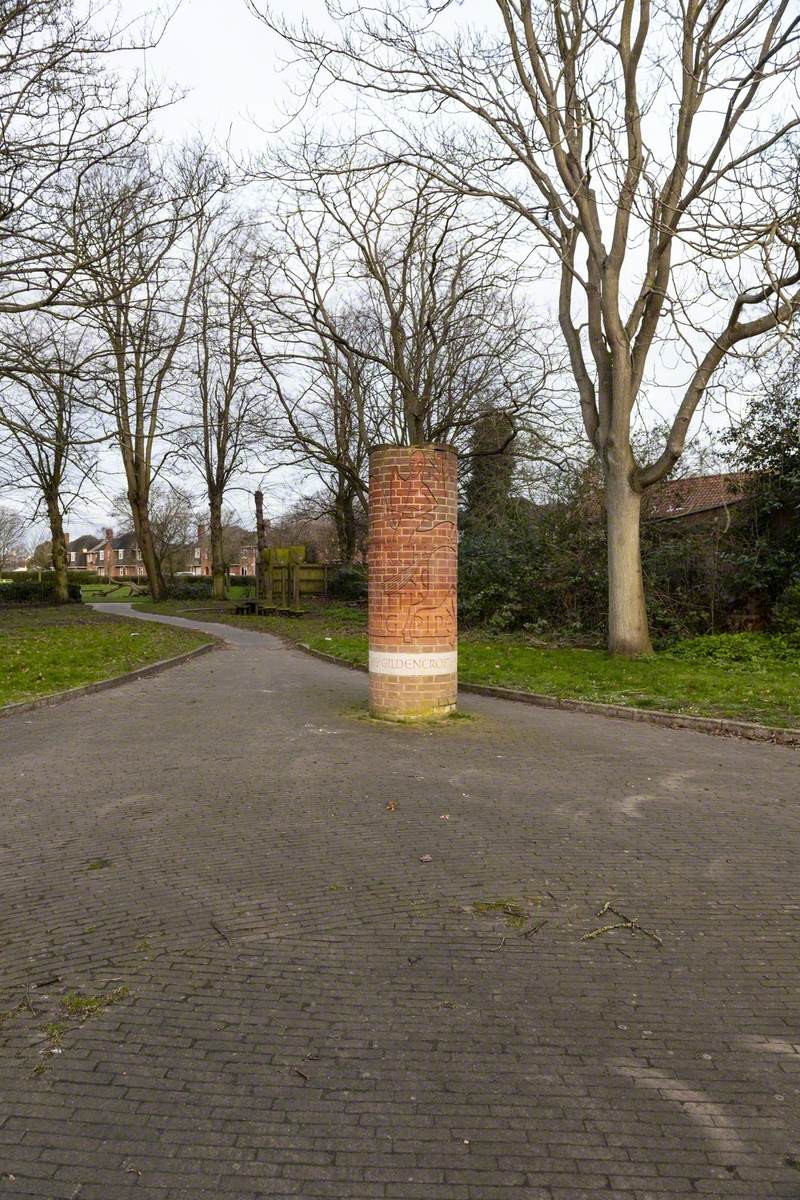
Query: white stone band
x=384 y=662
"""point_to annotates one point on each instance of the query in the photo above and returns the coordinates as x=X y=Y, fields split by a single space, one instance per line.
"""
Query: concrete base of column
x=413 y=559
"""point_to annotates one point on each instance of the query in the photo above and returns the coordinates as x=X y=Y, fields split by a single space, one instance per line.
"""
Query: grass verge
x=46 y=650
x=745 y=677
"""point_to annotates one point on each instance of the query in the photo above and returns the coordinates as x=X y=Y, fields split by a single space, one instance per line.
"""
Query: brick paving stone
x=314 y=1012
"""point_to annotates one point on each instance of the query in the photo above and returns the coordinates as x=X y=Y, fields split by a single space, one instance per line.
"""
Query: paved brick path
x=314 y=1011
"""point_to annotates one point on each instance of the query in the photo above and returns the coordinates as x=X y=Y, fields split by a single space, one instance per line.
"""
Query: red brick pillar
x=413 y=562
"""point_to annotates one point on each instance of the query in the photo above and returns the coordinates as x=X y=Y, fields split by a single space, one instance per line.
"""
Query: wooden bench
x=247 y=606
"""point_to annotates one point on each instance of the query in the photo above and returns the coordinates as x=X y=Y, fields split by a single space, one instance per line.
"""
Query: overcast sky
x=228 y=64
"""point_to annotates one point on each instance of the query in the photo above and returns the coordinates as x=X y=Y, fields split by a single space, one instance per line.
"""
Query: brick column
x=413 y=562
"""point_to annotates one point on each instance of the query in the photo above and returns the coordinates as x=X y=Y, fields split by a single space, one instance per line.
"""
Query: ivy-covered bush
x=349 y=583
x=545 y=571
x=786 y=613
x=537 y=569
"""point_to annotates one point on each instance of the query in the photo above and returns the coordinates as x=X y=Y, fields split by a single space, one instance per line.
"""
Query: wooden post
x=295 y=578
x=265 y=558
x=261 y=545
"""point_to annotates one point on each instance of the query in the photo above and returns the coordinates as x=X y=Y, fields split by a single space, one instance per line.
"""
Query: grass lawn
x=749 y=677
x=45 y=650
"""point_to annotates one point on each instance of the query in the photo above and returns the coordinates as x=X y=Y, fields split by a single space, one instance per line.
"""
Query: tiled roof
x=695 y=494
x=123 y=541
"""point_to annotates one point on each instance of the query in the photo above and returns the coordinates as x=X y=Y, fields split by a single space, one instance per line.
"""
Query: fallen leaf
x=391 y=806
x=426 y=858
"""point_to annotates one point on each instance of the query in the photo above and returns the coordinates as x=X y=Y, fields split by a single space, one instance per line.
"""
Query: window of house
x=101 y=556
x=120 y=555
x=72 y=556
x=197 y=552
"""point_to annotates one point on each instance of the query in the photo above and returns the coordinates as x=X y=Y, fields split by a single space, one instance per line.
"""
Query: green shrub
x=786 y=612
x=737 y=649
x=349 y=583
x=199 y=588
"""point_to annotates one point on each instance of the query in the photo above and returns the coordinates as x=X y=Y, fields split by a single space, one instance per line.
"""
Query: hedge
x=48 y=576
x=194 y=589
x=31 y=592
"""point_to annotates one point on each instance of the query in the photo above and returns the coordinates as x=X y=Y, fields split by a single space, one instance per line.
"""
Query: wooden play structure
x=286 y=578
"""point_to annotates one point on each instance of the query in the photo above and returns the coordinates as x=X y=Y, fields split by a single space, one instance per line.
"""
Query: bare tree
x=46 y=428
x=139 y=243
x=435 y=283
x=328 y=402
x=398 y=302
x=12 y=530
x=227 y=415
x=63 y=111
x=649 y=147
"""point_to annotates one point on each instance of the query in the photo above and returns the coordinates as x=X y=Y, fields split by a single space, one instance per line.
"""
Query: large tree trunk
x=628 y=633
x=345 y=520
x=146 y=543
x=217 y=549
x=59 y=553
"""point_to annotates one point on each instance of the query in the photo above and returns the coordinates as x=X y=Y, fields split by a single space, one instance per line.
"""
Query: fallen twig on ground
x=625 y=922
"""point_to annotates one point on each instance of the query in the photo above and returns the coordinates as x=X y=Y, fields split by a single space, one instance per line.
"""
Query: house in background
x=16 y=560
x=247 y=561
x=116 y=557
x=239 y=545
x=699 y=499
x=77 y=550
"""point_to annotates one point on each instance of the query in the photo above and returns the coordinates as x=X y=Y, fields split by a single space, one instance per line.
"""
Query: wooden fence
x=287 y=576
